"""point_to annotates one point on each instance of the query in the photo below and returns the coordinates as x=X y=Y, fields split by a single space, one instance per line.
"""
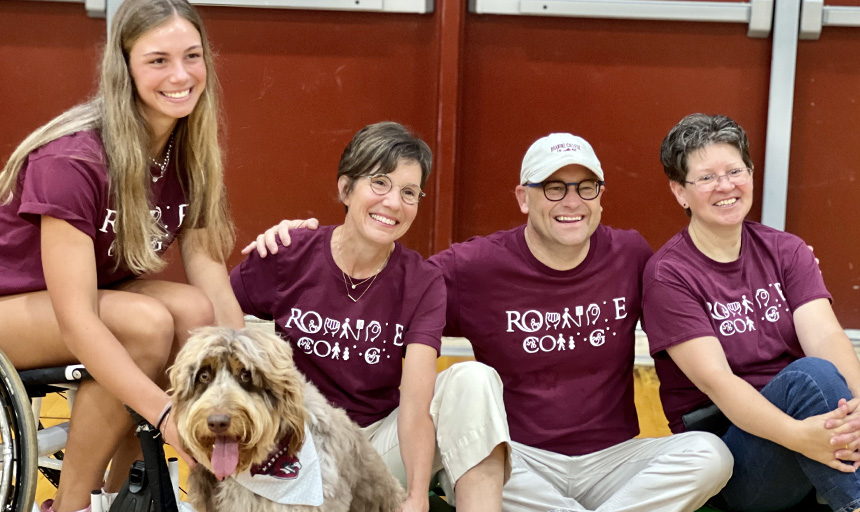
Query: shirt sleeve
x=446 y=262
x=254 y=283
x=429 y=319
x=671 y=313
x=803 y=279
x=65 y=188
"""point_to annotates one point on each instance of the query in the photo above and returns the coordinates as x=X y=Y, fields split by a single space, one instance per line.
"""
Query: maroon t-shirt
x=352 y=351
x=68 y=179
x=747 y=304
x=562 y=341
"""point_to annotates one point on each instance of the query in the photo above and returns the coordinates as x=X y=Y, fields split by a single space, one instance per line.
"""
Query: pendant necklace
x=163 y=164
x=348 y=283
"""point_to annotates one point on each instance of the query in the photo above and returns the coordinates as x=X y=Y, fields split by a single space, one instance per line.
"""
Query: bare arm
x=415 y=428
x=211 y=277
x=69 y=264
x=821 y=336
x=704 y=362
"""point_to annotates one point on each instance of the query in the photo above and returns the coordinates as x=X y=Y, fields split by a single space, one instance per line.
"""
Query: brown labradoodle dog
x=241 y=405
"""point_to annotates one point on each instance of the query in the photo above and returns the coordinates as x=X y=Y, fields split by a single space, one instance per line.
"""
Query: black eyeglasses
x=709 y=182
x=557 y=190
x=381 y=184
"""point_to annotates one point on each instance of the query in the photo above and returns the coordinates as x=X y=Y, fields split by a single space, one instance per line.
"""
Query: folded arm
x=704 y=362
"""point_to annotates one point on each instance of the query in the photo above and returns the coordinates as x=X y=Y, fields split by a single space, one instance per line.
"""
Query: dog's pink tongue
x=225 y=457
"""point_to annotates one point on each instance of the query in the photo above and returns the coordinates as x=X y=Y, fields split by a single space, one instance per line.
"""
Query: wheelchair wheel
x=19 y=448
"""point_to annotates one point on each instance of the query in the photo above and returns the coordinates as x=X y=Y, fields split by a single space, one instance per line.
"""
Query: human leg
x=769 y=476
x=479 y=444
x=32 y=339
x=471 y=435
x=189 y=308
x=480 y=487
x=538 y=482
x=674 y=473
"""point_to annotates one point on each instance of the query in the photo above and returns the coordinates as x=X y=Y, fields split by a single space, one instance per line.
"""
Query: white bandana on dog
x=287 y=480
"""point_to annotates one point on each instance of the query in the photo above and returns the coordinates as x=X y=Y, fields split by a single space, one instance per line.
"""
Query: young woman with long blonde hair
x=88 y=204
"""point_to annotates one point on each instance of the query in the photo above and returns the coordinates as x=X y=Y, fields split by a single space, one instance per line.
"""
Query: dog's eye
x=245 y=376
x=204 y=376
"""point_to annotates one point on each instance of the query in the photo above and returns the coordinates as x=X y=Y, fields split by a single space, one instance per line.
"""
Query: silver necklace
x=352 y=284
x=163 y=165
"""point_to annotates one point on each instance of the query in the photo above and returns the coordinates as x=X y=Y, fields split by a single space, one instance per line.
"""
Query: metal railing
x=105 y=8
x=757 y=14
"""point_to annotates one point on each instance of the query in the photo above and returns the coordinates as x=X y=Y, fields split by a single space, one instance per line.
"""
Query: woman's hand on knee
x=814 y=441
x=845 y=418
x=844 y=425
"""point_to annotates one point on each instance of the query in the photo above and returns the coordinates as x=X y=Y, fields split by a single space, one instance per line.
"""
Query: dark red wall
x=298 y=85
x=479 y=89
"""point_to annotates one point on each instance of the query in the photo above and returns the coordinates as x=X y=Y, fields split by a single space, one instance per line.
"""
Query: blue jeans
x=770 y=477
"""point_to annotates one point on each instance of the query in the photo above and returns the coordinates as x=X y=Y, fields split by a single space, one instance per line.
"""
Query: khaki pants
x=470 y=419
x=668 y=474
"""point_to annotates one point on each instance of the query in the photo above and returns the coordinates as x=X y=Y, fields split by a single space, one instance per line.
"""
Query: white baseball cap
x=556 y=150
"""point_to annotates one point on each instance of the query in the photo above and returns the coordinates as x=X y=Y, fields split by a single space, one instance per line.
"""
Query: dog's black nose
x=218 y=423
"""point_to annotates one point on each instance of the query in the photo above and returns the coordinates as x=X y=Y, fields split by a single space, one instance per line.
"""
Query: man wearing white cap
x=552 y=306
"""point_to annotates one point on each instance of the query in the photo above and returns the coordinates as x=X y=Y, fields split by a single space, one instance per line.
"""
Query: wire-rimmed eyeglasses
x=709 y=182
x=381 y=184
x=557 y=190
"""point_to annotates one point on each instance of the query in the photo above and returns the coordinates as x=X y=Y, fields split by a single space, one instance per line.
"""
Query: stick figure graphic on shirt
x=572 y=344
x=346 y=354
x=560 y=342
x=569 y=319
x=347 y=330
x=747 y=304
x=750 y=324
x=335 y=352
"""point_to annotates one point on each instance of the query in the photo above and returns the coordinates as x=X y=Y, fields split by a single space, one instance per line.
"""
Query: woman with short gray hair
x=744 y=339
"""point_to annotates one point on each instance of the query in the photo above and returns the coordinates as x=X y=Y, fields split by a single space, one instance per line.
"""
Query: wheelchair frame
x=25 y=447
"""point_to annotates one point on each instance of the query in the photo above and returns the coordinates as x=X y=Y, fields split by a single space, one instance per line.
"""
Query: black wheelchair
x=27 y=447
